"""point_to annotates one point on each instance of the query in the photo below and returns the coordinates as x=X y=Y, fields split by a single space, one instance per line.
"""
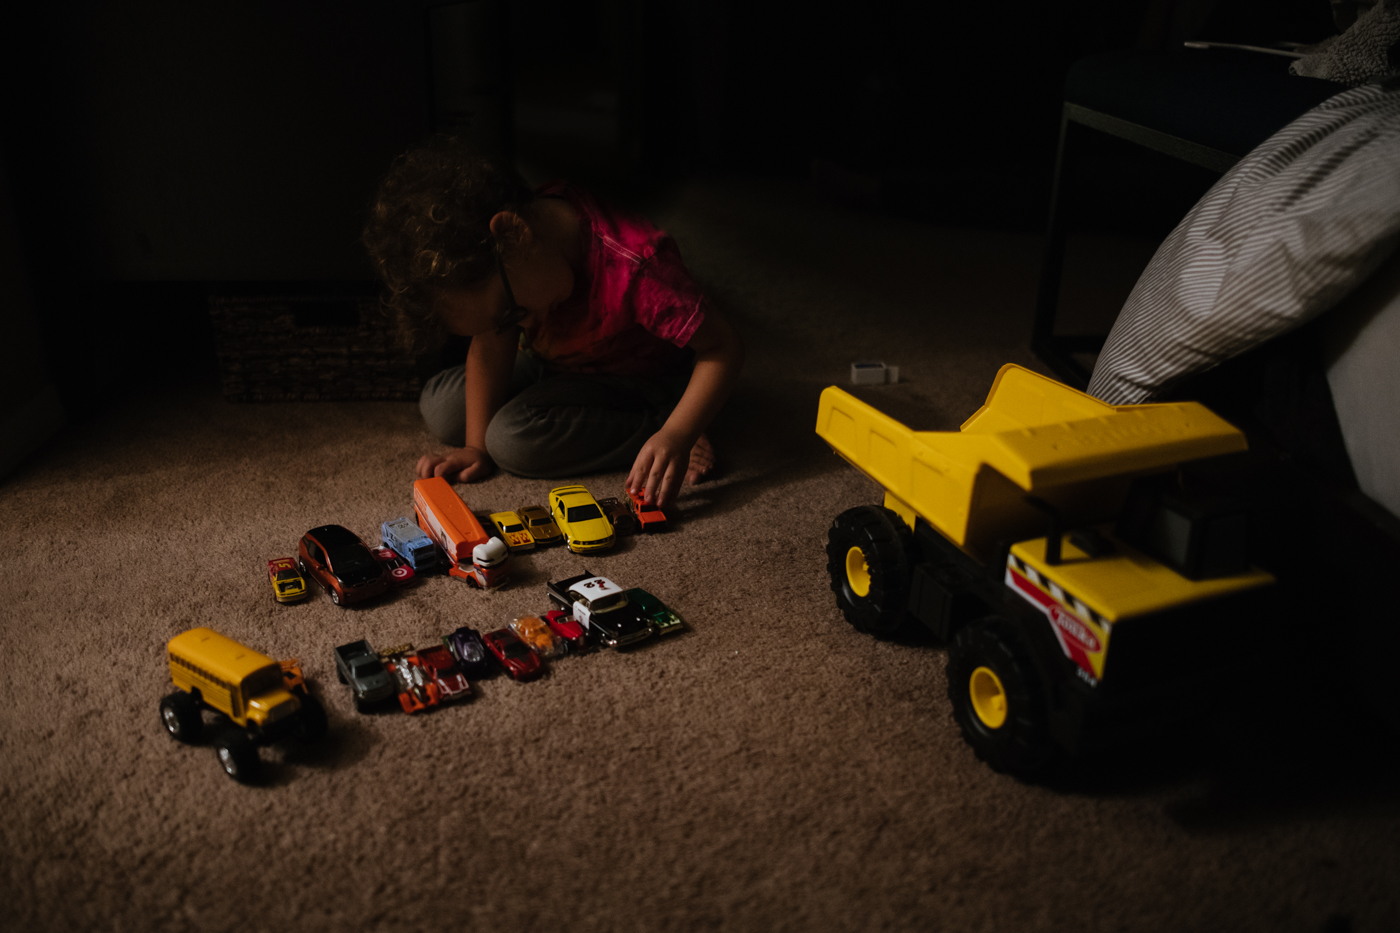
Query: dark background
x=157 y=152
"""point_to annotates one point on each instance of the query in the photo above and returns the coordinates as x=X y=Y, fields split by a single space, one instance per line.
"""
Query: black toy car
x=602 y=608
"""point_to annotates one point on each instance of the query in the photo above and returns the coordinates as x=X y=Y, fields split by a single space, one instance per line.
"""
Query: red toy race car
x=443 y=670
x=400 y=573
x=515 y=656
x=649 y=516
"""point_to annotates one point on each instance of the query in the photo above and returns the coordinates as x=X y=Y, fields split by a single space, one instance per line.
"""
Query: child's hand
x=664 y=461
x=466 y=465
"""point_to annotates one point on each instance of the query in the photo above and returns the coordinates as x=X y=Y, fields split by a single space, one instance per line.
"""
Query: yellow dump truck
x=1083 y=582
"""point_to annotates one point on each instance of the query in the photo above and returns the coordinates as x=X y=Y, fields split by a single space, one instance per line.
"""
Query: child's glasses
x=512 y=314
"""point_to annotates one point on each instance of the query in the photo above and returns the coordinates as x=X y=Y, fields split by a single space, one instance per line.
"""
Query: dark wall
x=156 y=148
x=160 y=140
x=159 y=149
x=944 y=111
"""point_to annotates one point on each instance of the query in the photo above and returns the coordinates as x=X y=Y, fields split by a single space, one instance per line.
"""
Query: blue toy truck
x=411 y=543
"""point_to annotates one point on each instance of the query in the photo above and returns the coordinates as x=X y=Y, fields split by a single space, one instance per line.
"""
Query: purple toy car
x=471 y=654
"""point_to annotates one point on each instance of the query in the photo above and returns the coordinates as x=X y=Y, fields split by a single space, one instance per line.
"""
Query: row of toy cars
x=257 y=701
x=576 y=519
x=444 y=534
x=594 y=612
x=348 y=569
x=419 y=678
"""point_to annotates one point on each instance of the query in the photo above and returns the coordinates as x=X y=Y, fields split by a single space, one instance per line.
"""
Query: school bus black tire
x=314 y=724
x=180 y=715
x=238 y=755
x=1022 y=744
x=879 y=534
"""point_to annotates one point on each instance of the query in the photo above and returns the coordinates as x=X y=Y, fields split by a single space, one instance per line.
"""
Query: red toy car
x=567 y=628
x=515 y=656
x=400 y=573
x=336 y=558
x=443 y=670
x=650 y=517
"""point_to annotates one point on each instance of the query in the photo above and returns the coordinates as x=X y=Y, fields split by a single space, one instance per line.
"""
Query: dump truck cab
x=1052 y=544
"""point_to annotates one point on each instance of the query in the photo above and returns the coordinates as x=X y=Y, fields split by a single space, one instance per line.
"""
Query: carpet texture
x=768 y=769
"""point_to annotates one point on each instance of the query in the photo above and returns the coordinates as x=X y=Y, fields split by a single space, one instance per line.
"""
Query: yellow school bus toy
x=256 y=700
x=1081 y=585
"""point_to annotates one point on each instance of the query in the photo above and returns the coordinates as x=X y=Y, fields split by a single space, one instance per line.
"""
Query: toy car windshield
x=517 y=649
x=608 y=603
x=354 y=562
x=368 y=668
x=583 y=513
x=269 y=678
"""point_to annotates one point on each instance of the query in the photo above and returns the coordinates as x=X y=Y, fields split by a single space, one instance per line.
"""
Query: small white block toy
x=873 y=373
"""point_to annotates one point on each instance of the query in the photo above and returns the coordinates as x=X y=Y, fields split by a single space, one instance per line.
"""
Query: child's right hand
x=465 y=465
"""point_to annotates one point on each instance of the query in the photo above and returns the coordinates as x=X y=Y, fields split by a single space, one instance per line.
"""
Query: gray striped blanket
x=1289 y=231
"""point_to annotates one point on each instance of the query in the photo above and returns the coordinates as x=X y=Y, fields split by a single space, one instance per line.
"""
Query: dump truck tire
x=997 y=699
x=869 y=569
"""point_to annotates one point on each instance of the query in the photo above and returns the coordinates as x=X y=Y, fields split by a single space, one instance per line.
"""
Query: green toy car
x=665 y=621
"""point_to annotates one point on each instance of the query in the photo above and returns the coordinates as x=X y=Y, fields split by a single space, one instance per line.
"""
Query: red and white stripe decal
x=1076 y=639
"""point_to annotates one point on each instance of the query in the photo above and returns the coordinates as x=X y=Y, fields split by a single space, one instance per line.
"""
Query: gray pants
x=556 y=424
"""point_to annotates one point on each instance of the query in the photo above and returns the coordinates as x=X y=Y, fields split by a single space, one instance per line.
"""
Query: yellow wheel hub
x=858 y=572
x=988 y=697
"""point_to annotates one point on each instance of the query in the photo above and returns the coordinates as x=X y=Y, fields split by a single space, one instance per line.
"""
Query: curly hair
x=429 y=228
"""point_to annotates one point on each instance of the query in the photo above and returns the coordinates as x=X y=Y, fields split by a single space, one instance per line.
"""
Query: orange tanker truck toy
x=471 y=553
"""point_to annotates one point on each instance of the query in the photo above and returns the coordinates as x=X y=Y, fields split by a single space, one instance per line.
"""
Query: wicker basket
x=310 y=348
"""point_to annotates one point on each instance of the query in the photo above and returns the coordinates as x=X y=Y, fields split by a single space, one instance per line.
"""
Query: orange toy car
x=417 y=689
x=648 y=516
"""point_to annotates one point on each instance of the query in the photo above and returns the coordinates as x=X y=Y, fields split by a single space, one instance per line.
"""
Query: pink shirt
x=634 y=309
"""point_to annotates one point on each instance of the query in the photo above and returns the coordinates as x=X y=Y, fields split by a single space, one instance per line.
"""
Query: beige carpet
x=769 y=769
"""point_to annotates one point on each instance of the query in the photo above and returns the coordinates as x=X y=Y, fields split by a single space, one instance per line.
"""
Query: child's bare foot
x=702 y=461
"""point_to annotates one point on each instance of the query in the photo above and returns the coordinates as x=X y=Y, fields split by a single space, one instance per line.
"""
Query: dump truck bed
x=1033 y=436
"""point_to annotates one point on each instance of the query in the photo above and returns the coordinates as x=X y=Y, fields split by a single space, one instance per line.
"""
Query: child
x=591 y=348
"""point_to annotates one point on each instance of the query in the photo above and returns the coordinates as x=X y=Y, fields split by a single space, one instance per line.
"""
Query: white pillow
x=1362 y=349
x=1289 y=231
